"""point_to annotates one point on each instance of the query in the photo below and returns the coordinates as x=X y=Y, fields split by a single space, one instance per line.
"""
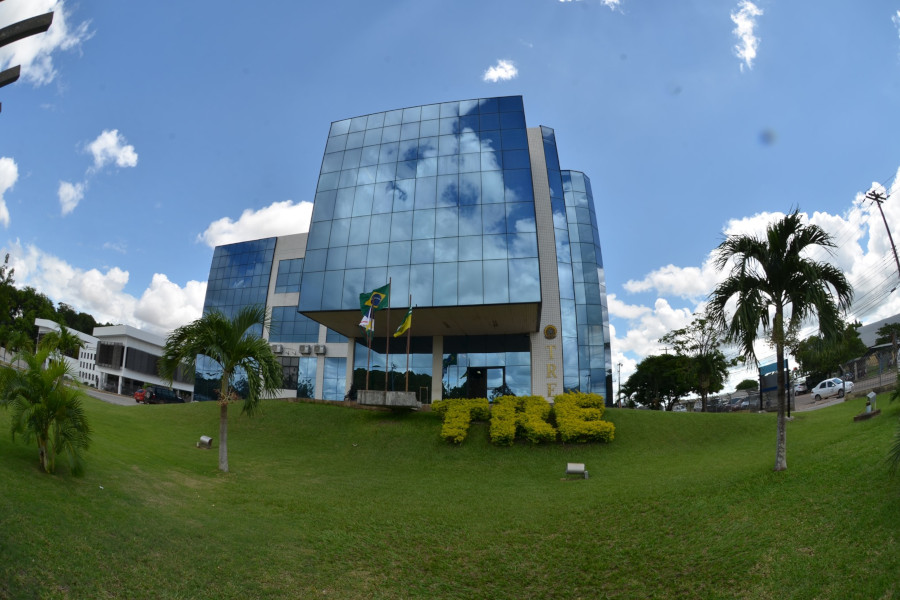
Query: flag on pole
x=368 y=323
x=376 y=299
x=405 y=324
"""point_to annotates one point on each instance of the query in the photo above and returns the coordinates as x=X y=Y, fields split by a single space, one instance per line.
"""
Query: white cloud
x=34 y=53
x=745 y=25
x=504 y=70
x=9 y=174
x=612 y=4
x=70 y=194
x=110 y=146
x=279 y=218
x=683 y=282
x=162 y=307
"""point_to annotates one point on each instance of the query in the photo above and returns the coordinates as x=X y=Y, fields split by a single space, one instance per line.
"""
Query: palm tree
x=66 y=342
x=776 y=288
x=240 y=352
x=46 y=408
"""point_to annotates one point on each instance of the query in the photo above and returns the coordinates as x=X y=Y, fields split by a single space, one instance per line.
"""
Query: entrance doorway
x=483 y=380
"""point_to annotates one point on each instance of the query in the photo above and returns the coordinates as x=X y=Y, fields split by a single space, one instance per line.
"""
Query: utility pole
x=619 y=396
x=878 y=198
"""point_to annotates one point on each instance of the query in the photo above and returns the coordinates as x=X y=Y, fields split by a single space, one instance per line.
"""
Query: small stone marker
x=576 y=469
x=205 y=442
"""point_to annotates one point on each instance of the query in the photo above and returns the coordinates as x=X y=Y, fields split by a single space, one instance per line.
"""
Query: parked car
x=140 y=395
x=157 y=394
x=832 y=387
x=800 y=388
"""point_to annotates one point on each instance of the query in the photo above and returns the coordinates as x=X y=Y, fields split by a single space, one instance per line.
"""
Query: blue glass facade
x=437 y=199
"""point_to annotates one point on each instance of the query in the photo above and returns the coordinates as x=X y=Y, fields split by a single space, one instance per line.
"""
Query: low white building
x=84 y=367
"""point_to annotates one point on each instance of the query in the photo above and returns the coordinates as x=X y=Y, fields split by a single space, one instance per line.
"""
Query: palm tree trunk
x=223 y=437
x=781 y=436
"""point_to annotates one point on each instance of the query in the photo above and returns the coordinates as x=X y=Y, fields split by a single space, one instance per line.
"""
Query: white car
x=832 y=387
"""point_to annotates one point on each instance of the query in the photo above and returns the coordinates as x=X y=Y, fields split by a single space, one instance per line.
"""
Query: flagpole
x=369 y=352
x=387 y=339
x=408 y=337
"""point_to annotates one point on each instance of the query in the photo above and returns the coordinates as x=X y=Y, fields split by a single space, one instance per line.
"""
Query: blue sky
x=139 y=137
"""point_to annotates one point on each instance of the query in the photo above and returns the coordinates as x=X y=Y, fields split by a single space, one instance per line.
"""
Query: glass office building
x=466 y=212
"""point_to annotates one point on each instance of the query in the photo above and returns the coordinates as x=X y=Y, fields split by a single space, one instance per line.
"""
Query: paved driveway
x=112 y=398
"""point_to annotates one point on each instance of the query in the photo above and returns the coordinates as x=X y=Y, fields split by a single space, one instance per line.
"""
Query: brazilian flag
x=376 y=299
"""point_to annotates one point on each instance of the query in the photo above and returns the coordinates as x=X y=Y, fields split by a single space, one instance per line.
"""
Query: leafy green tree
x=747 y=384
x=776 y=287
x=243 y=355
x=64 y=341
x=659 y=381
x=820 y=357
x=45 y=408
x=708 y=368
x=885 y=334
x=19 y=341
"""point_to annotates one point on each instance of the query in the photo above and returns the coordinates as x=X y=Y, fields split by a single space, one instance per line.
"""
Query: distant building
x=466 y=212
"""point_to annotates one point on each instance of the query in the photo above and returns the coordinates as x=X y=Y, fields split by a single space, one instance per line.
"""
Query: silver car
x=832 y=387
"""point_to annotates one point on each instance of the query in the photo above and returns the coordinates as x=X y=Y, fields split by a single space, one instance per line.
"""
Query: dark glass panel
x=518 y=185
x=375 y=278
x=488 y=105
x=520 y=217
x=514 y=139
x=334 y=285
x=323 y=207
x=318 y=235
x=354 y=280
x=510 y=103
x=489 y=122
x=315 y=259
x=516 y=159
x=512 y=120
x=311 y=290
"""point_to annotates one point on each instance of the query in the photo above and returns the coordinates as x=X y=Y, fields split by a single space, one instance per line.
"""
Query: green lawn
x=328 y=502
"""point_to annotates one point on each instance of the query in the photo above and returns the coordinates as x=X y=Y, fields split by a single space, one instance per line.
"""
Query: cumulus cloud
x=504 y=70
x=279 y=218
x=70 y=194
x=162 y=307
x=744 y=19
x=9 y=174
x=35 y=53
x=110 y=146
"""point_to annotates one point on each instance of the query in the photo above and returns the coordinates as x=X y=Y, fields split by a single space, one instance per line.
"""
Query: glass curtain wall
x=436 y=198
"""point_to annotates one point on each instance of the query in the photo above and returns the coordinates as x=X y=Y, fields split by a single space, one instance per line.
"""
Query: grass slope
x=328 y=502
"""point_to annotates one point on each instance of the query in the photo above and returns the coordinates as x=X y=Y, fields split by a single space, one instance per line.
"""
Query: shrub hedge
x=579 y=418
x=457 y=414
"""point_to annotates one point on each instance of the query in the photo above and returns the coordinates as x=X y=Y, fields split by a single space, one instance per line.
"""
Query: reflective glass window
x=447 y=190
x=492 y=187
x=512 y=120
x=470 y=247
x=409 y=149
x=471 y=283
x=445 y=284
x=334 y=280
x=340 y=231
x=337 y=258
x=404 y=194
x=356 y=255
x=358 y=124
x=522 y=245
x=494 y=247
x=327 y=181
x=389 y=152
x=423 y=224
x=390 y=134
x=401 y=226
x=318 y=236
x=431 y=111
x=375 y=277
x=516 y=159
x=470 y=220
x=426 y=167
x=469 y=188
x=386 y=172
x=421 y=282
x=354 y=284
x=491 y=161
x=343 y=204
x=496 y=281
x=348 y=178
x=470 y=163
x=406 y=169
x=520 y=217
x=362 y=200
x=381 y=228
x=488 y=105
x=412 y=114
x=448 y=165
x=425 y=192
x=518 y=185
x=359 y=229
x=323 y=207
x=422 y=251
x=398 y=275
x=375 y=121
x=514 y=139
x=428 y=147
x=373 y=137
x=399 y=253
x=378 y=255
x=336 y=144
x=429 y=128
x=409 y=131
x=366 y=175
x=469 y=142
x=332 y=162
x=491 y=140
x=493 y=218
x=393 y=117
x=384 y=198
x=510 y=103
x=446 y=222
x=489 y=122
x=449 y=109
x=446 y=249
x=311 y=290
x=315 y=259
x=526 y=285
x=448 y=126
x=339 y=128
x=469 y=123
x=355 y=140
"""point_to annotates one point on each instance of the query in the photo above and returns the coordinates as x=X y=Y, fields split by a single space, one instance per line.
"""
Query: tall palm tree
x=240 y=352
x=66 y=342
x=46 y=408
x=776 y=287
